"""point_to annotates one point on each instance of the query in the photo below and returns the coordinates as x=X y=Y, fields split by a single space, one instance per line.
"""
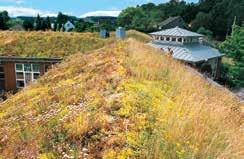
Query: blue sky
x=71 y=7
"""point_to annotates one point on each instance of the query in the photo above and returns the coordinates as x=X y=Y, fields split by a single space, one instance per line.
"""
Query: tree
x=28 y=25
x=61 y=20
x=38 y=23
x=206 y=32
x=126 y=16
x=202 y=20
x=48 y=23
x=4 y=18
x=233 y=47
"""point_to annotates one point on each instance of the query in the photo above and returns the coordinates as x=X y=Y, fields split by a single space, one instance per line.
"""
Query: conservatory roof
x=190 y=52
x=176 y=32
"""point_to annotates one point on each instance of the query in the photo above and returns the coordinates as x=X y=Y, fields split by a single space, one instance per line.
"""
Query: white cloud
x=101 y=13
x=13 y=1
x=22 y=11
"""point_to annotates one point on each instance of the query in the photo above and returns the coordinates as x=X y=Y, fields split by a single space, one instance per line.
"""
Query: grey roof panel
x=189 y=52
x=177 y=32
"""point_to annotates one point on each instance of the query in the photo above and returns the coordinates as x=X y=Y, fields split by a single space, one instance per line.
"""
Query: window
x=173 y=39
x=26 y=73
x=36 y=67
x=19 y=67
x=179 y=39
x=20 y=84
x=167 y=39
x=2 y=78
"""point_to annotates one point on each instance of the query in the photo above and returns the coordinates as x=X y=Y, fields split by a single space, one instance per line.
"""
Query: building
x=172 y=22
x=187 y=46
x=68 y=26
x=17 y=72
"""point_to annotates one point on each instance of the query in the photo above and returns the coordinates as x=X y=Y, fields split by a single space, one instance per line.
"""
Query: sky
x=79 y=8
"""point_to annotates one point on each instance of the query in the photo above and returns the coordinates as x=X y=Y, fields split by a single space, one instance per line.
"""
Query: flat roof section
x=29 y=59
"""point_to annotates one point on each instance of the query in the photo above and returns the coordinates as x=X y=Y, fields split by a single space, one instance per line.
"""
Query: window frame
x=32 y=72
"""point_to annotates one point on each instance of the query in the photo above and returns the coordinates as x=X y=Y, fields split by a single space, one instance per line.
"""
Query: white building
x=68 y=26
x=186 y=46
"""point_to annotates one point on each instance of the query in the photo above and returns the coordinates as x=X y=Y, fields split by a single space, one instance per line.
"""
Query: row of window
x=174 y=39
x=26 y=73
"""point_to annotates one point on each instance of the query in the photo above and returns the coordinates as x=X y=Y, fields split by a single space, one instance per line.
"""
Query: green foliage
x=4 y=18
x=147 y=16
x=233 y=47
x=202 y=20
x=206 y=32
x=13 y=22
x=40 y=24
x=62 y=18
x=214 y=15
x=28 y=25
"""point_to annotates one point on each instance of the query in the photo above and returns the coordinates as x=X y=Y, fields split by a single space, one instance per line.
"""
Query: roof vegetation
x=125 y=100
x=47 y=44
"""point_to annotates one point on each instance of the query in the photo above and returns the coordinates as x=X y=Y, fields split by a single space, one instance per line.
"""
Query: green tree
x=233 y=47
x=38 y=23
x=202 y=20
x=28 y=25
x=4 y=18
x=206 y=32
x=61 y=20
x=48 y=23
x=126 y=16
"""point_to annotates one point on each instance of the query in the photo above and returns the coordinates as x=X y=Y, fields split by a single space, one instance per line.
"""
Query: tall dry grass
x=201 y=121
x=126 y=100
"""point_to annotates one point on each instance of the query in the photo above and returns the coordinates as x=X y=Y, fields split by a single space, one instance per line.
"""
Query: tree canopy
x=233 y=47
x=214 y=15
x=4 y=18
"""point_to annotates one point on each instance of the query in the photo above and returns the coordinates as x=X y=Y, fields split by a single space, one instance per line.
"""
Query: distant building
x=172 y=22
x=18 y=72
x=68 y=26
x=186 y=46
x=17 y=27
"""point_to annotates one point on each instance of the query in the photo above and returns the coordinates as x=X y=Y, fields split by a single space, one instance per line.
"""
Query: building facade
x=18 y=72
x=188 y=47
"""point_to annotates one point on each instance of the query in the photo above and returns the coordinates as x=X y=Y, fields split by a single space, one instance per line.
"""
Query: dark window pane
x=20 y=84
x=2 y=84
x=19 y=67
x=1 y=69
x=27 y=67
x=19 y=75
x=36 y=75
x=36 y=67
x=1 y=75
x=173 y=39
